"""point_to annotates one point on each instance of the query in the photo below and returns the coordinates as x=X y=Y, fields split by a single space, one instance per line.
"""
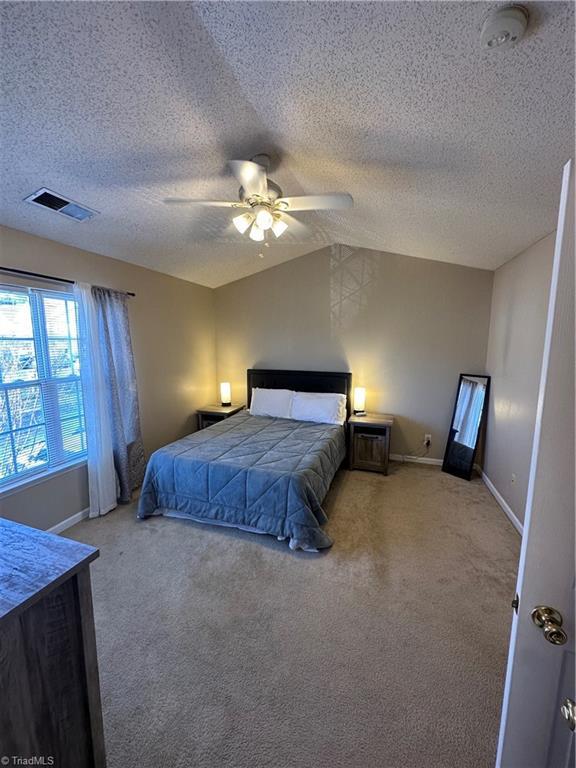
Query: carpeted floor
x=222 y=649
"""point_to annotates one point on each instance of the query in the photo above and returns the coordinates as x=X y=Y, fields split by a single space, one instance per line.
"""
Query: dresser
x=50 y=691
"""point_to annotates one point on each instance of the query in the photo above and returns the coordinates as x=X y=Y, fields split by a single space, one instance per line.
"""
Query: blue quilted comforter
x=262 y=474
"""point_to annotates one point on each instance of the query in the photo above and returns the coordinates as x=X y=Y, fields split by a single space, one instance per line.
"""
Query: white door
x=540 y=674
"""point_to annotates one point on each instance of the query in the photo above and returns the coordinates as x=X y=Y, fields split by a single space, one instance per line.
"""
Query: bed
x=261 y=474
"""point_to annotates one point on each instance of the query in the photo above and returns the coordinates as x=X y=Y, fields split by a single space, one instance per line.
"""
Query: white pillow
x=271 y=402
x=321 y=407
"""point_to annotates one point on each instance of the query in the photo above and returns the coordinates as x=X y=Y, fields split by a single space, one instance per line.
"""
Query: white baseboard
x=503 y=503
x=69 y=522
x=415 y=459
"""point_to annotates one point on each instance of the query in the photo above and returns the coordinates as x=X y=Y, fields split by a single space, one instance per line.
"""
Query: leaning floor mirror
x=468 y=421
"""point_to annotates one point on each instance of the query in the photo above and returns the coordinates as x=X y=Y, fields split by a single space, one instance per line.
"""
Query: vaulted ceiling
x=451 y=152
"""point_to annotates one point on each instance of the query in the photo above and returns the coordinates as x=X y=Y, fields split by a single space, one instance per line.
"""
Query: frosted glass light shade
x=225 y=393
x=359 y=399
x=256 y=233
x=243 y=222
x=263 y=217
x=279 y=227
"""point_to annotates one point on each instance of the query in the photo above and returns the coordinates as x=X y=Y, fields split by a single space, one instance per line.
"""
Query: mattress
x=263 y=474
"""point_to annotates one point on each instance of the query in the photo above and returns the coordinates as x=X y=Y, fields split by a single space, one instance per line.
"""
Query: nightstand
x=369 y=444
x=212 y=414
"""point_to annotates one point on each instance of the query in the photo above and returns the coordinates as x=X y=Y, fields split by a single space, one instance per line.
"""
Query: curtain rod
x=24 y=272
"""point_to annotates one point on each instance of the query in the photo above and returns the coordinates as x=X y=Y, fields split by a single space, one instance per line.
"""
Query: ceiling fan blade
x=251 y=176
x=205 y=203
x=316 y=202
x=295 y=227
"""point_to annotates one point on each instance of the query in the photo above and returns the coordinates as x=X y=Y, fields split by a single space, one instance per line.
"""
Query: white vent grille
x=45 y=198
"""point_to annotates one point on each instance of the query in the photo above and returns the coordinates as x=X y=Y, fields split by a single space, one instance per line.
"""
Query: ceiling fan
x=262 y=199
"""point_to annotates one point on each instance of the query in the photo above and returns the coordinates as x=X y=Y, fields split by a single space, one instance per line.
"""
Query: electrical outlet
x=427 y=440
x=513 y=478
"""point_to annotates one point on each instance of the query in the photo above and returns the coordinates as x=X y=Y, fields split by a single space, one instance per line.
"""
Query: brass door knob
x=550 y=622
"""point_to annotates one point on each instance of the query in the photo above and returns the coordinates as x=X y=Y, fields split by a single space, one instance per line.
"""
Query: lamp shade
x=279 y=226
x=256 y=233
x=264 y=218
x=225 y=393
x=243 y=222
x=359 y=399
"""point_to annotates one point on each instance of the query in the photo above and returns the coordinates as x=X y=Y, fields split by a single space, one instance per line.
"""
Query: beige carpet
x=222 y=649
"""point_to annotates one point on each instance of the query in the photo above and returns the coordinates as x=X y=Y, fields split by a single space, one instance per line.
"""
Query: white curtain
x=123 y=411
x=101 y=471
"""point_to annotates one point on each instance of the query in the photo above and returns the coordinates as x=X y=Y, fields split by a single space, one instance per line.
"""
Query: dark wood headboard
x=339 y=382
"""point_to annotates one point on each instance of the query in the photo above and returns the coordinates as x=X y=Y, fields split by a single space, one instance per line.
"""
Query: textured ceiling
x=450 y=152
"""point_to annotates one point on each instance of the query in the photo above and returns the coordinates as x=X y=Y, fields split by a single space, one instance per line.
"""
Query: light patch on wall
x=353 y=272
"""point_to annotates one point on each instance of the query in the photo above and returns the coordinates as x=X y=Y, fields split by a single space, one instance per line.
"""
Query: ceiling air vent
x=48 y=199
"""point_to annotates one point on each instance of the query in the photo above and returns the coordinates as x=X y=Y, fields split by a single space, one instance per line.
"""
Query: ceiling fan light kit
x=262 y=199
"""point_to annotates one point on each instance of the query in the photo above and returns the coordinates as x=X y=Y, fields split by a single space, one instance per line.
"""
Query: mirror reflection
x=467 y=422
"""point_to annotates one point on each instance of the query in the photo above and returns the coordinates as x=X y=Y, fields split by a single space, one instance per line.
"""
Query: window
x=41 y=411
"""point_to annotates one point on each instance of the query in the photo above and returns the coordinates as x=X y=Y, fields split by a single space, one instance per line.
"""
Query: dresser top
x=33 y=562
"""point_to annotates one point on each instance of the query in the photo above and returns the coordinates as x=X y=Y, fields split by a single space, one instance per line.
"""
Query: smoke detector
x=504 y=27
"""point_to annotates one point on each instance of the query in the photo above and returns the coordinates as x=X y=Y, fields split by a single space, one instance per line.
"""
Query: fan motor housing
x=274 y=192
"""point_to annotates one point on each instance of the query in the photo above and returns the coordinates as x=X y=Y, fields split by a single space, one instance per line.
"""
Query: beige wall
x=172 y=323
x=516 y=341
x=405 y=327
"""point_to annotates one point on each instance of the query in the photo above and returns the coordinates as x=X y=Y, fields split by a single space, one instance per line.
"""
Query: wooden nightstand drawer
x=369 y=444
x=369 y=451
x=207 y=421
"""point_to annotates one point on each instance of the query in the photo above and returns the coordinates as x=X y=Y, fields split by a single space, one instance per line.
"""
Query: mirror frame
x=446 y=467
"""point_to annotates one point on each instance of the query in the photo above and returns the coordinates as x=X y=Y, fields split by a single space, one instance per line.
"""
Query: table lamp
x=225 y=393
x=359 y=401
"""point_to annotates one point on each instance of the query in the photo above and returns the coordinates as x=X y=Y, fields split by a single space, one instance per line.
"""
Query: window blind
x=41 y=410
